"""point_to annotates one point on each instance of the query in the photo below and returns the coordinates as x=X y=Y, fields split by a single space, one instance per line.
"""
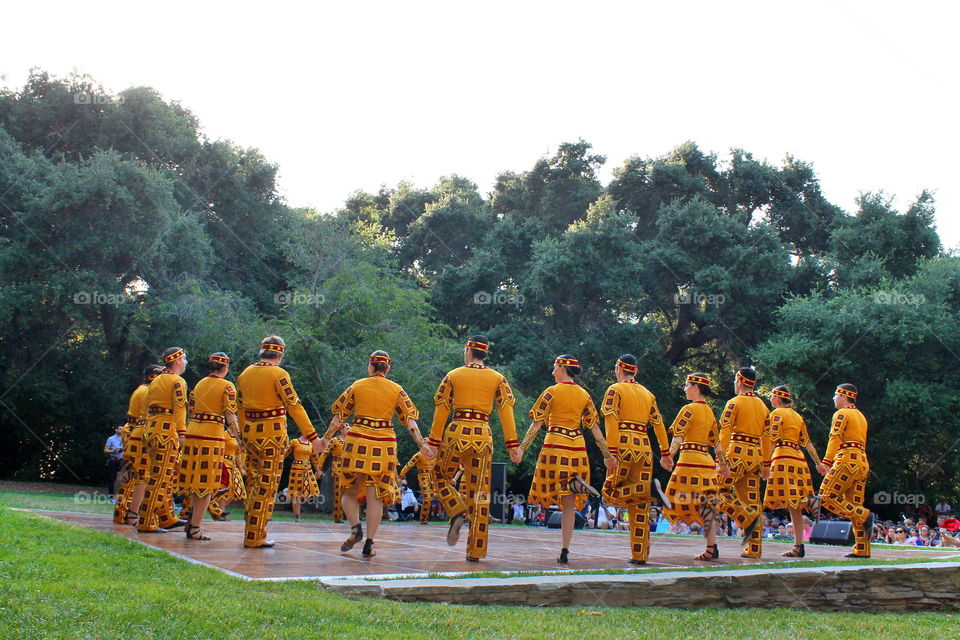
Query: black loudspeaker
x=498 y=490
x=832 y=532
x=553 y=521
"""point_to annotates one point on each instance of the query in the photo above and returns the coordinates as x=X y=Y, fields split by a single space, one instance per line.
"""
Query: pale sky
x=352 y=95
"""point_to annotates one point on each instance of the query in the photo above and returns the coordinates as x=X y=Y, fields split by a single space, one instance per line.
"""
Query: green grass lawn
x=63 y=581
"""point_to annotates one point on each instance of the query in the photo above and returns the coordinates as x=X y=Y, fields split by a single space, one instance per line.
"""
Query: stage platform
x=311 y=550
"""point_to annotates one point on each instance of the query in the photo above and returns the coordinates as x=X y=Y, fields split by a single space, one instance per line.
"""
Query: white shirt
x=407 y=499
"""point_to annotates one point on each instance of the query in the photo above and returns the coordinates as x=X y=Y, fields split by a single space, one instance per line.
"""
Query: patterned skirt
x=302 y=482
x=789 y=484
x=564 y=455
x=370 y=460
x=135 y=455
x=692 y=483
x=201 y=460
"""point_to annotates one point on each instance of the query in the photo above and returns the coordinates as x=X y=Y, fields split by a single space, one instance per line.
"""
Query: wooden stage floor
x=312 y=549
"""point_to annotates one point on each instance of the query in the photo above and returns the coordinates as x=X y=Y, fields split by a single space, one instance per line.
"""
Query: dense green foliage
x=123 y=230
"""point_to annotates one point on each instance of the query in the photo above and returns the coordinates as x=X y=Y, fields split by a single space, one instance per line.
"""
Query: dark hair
x=216 y=367
x=266 y=354
x=151 y=370
x=629 y=359
x=704 y=389
x=786 y=401
x=476 y=353
x=748 y=372
x=571 y=371
x=849 y=387
x=380 y=367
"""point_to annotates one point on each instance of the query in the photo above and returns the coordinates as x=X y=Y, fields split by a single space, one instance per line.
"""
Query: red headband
x=479 y=346
x=781 y=393
x=173 y=356
x=379 y=358
x=846 y=392
x=705 y=381
x=272 y=347
x=567 y=362
x=627 y=367
x=220 y=359
x=744 y=380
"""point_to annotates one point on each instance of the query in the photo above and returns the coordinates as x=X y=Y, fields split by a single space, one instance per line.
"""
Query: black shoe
x=177 y=524
x=356 y=535
x=472 y=559
x=632 y=561
x=709 y=554
x=854 y=555
x=453 y=533
x=797 y=552
x=749 y=530
x=563 y=556
x=368 y=551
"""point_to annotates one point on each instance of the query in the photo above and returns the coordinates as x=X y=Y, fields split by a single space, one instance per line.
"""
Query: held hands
x=611 y=463
x=429 y=452
x=765 y=473
x=516 y=455
x=822 y=469
x=724 y=471
x=666 y=462
x=320 y=445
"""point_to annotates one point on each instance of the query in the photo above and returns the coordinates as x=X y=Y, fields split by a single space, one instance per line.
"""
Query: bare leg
x=199 y=506
x=295 y=503
x=136 y=497
x=569 y=505
x=351 y=506
x=796 y=515
x=374 y=512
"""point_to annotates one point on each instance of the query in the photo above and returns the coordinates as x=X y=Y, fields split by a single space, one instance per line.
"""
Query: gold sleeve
x=612 y=431
x=589 y=417
x=343 y=406
x=726 y=423
x=180 y=406
x=804 y=434
x=411 y=463
x=540 y=411
x=505 y=395
x=294 y=408
x=229 y=398
x=680 y=422
x=405 y=408
x=444 y=395
x=659 y=429
x=836 y=437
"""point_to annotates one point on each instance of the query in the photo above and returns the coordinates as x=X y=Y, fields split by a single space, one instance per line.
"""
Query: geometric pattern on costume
x=335 y=452
x=302 y=481
x=629 y=410
x=693 y=483
x=370 y=446
x=842 y=490
x=564 y=408
x=424 y=479
x=135 y=459
x=742 y=430
x=266 y=397
x=166 y=414
x=204 y=446
x=789 y=485
x=469 y=393
x=236 y=489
